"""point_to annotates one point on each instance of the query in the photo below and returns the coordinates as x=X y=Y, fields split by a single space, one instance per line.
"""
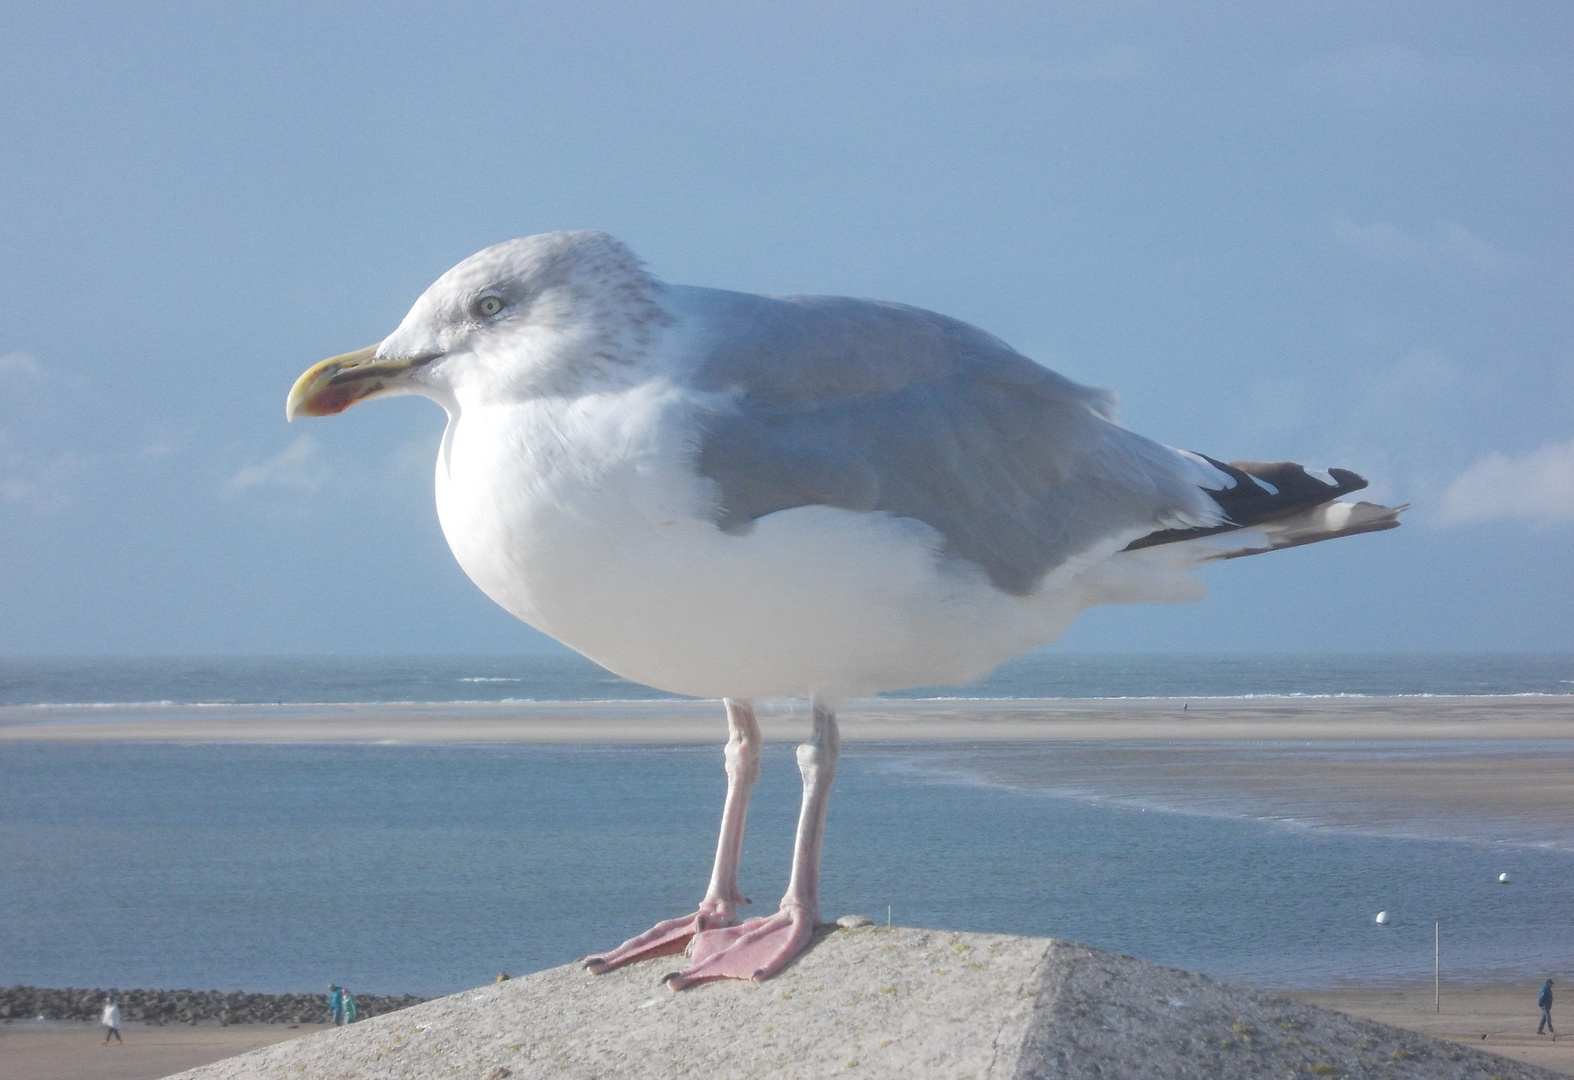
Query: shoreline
x=1489 y=769
x=1518 y=717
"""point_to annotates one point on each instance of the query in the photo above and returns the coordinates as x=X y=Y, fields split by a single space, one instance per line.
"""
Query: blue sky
x=1335 y=233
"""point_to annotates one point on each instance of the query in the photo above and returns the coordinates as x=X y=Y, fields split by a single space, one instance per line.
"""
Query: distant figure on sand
x=335 y=1004
x=1544 y=1003
x=112 y=1020
x=347 y=1006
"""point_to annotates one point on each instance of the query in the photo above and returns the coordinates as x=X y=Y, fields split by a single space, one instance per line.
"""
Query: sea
x=430 y=868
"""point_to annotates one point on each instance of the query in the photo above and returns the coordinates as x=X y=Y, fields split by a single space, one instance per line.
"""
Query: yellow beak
x=338 y=382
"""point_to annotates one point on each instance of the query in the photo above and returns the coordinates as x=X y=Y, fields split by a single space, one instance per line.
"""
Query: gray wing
x=873 y=406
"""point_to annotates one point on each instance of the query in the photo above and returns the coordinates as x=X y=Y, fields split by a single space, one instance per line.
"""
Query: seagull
x=734 y=496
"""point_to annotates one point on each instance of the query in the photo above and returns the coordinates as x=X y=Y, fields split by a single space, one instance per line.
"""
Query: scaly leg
x=722 y=899
x=760 y=948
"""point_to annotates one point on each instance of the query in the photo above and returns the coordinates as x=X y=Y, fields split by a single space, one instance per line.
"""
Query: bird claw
x=754 y=950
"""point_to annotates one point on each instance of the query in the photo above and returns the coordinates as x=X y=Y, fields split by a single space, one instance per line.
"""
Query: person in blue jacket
x=1544 y=1003
x=336 y=1004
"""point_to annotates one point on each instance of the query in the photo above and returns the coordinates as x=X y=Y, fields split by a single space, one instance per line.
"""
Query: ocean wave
x=852 y=703
x=399 y=703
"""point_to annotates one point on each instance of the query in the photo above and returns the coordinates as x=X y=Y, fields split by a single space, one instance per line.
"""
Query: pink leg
x=761 y=947
x=722 y=899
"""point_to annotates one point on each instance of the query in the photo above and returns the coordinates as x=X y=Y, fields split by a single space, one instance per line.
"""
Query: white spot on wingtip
x=1225 y=480
x=1338 y=514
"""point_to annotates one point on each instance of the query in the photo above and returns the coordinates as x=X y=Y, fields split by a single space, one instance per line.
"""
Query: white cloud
x=1538 y=487
x=19 y=367
x=1117 y=64
x=158 y=448
x=1385 y=73
x=1377 y=67
x=33 y=475
x=295 y=469
x=36 y=480
x=1449 y=246
x=1123 y=63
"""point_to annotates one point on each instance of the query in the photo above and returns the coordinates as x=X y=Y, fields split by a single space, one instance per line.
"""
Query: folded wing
x=879 y=407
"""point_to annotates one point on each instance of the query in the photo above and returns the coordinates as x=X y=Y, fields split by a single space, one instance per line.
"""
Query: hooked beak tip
x=315 y=392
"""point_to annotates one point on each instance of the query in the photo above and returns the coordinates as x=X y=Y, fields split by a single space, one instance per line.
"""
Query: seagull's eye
x=488 y=306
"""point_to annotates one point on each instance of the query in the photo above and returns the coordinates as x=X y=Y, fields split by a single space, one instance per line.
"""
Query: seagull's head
x=543 y=315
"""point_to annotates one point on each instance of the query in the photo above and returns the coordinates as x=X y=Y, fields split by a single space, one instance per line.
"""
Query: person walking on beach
x=112 y=1020
x=347 y=1007
x=336 y=1004
x=1544 y=1003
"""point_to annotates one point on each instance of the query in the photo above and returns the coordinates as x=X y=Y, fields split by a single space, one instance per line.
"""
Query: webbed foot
x=665 y=938
x=755 y=950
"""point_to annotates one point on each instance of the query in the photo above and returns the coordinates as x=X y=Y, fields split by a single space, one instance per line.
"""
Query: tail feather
x=1280 y=504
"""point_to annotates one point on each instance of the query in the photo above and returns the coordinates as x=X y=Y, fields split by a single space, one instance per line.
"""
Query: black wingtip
x=1263 y=491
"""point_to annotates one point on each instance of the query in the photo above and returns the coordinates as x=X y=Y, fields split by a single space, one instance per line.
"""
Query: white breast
x=585 y=519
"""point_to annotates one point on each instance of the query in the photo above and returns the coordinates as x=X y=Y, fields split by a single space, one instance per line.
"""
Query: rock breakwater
x=186 y=1006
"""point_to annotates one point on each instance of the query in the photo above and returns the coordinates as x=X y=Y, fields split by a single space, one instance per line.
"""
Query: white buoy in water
x=1382 y=918
x=1502 y=879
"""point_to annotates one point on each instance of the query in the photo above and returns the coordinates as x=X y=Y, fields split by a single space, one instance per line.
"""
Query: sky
x=1336 y=233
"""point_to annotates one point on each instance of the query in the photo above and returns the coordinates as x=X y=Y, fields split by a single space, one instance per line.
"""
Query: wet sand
x=1515 y=790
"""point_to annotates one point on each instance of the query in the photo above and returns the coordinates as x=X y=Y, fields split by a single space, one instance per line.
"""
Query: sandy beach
x=1171 y=719
x=74 y=1051
x=1500 y=1018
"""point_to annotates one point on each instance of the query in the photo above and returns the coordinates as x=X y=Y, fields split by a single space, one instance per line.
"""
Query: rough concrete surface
x=875 y=1002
